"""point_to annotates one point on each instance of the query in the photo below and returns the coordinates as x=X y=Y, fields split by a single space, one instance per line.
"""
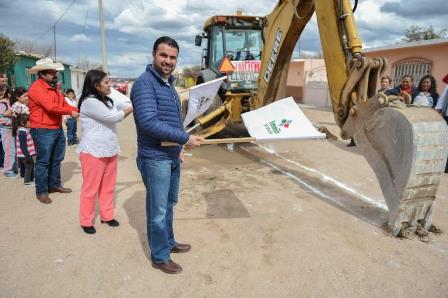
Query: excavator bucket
x=407 y=147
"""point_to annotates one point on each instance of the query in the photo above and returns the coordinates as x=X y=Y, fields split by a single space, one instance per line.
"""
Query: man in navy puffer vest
x=158 y=117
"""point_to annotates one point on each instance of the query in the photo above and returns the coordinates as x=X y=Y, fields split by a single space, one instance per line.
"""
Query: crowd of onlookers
x=424 y=94
x=34 y=143
x=17 y=148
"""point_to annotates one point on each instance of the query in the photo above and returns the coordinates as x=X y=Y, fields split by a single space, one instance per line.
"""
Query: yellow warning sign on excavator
x=226 y=66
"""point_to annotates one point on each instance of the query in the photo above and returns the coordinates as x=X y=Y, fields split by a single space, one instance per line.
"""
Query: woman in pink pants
x=98 y=149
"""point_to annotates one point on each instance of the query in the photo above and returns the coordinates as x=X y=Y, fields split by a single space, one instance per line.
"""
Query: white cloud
x=80 y=38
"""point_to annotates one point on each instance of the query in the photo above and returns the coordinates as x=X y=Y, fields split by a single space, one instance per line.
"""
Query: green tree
x=7 y=56
x=416 y=33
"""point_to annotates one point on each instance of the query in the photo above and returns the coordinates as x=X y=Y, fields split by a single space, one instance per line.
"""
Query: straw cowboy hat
x=46 y=64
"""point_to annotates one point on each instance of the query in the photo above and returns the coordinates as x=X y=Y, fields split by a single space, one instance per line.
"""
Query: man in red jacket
x=47 y=106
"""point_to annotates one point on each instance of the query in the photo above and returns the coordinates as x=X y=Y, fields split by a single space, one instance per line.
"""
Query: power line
x=63 y=14
x=58 y=20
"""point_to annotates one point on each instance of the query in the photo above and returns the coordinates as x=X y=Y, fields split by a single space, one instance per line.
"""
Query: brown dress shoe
x=60 y=189
x=180 y=248
x=44 y=198
x=168 y=267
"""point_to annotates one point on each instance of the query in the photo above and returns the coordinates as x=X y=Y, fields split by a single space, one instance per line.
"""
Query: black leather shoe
x=181 y=248
x=112 y=222
x=89 y=230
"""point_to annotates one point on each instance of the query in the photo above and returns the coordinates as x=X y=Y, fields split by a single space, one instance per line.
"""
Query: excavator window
x=217 y=47
x=243 y=44
x=237 y=44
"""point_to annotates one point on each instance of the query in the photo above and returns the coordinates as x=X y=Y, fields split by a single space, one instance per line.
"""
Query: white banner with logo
x=201 y=97
x=118 y=97
x=280 y=120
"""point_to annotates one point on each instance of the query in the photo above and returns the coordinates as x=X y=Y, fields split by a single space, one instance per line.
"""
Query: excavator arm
x=406 y=145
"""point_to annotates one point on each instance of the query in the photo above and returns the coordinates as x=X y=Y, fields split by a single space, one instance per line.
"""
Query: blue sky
x=133 y=25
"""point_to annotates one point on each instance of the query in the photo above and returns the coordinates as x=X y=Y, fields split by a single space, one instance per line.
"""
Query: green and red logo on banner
x=274 y=128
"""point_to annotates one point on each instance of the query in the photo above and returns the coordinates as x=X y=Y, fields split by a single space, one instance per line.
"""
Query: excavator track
x=407 y=147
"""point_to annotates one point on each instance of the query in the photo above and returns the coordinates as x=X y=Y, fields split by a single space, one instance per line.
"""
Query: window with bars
x=417 y=67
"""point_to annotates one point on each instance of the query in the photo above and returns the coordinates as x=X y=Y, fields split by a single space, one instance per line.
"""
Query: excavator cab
x=239 y=38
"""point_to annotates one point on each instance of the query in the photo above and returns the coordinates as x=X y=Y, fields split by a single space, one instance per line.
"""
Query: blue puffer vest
x=157 y=115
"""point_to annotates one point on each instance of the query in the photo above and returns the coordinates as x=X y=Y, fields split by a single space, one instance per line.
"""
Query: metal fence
x=418 y=68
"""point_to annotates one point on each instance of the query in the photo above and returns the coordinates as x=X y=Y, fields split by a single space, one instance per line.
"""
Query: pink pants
x=99 y=177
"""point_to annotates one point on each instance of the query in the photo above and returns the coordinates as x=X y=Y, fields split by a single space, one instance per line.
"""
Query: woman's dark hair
x=19 y=91
x=19 y=121
x=432 y=89
x=8 y=93
x=166 y=40
x=93 y=79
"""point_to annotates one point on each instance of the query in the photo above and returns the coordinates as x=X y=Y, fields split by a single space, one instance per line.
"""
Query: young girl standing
x=26 y=151
x=19 y=105
x=19 y=101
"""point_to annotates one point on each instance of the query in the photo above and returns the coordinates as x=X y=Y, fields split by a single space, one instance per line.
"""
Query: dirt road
x=306 y=221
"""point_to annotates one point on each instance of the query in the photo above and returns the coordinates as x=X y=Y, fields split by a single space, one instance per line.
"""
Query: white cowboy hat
x=46 y=64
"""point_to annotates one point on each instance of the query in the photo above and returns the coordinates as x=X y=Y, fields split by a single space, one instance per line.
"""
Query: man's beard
x=161 y=69
x=54 y=82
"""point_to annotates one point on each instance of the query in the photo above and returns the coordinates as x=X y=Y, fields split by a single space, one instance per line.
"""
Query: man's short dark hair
x=69 y=91
x=166 y=40
x=408 y=76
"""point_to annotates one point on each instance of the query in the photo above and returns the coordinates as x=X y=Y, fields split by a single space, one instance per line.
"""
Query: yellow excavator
x=406 y=145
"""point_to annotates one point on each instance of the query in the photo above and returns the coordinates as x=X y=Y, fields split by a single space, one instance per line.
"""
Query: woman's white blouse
x=99 y=125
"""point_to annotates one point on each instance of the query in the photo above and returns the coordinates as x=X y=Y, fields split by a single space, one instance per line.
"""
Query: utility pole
x=54 y=41
x=103 y=38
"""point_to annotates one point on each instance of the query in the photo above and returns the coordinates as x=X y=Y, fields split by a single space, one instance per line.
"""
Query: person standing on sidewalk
x=26 y=152
x=8 y=141
x=47 y=106
x=158 y=118
x=19 y=105
x=71 y=122
x=99 y=149
x=3 y=85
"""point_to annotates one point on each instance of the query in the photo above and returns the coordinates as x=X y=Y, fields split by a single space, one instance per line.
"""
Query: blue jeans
x=161 y=179
x=72 y=127
x=50 y=145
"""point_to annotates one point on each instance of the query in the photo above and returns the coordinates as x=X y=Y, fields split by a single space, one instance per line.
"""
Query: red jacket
x=47 y=105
